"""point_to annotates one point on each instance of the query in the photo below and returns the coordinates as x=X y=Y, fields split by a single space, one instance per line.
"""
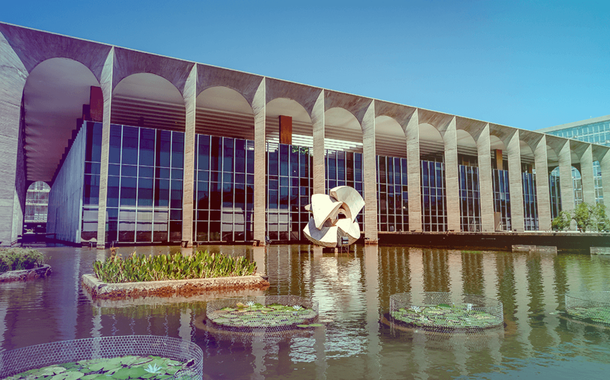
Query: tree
x=562 y=221
x=587 y=217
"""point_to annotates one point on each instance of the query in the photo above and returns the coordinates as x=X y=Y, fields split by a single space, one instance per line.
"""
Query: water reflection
x=353 y=291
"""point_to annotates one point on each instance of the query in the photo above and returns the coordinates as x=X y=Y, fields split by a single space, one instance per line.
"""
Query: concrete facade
x=190 y=97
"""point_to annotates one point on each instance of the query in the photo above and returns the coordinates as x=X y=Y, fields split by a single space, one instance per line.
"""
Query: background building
x=141 y=148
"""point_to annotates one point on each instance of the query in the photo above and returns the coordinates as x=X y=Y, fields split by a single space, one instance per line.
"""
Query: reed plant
x=20 y=258
x=200 y=264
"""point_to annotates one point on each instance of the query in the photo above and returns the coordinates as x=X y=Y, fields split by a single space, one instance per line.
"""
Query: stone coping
x=170 y=288
x=26 y=274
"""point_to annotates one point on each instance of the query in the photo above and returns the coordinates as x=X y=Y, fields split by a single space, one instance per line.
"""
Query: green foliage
x=126 y=367
x=137 y=268
x=587 y=218
x=20 y=258
x=562 y=221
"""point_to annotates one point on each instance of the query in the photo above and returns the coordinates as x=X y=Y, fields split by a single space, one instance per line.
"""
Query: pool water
x=353 y=290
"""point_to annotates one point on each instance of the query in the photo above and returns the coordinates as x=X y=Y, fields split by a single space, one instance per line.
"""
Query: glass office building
x=595 y=131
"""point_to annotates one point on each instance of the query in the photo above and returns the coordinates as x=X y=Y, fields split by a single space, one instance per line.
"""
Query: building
x=141 y=148
x=596 y=131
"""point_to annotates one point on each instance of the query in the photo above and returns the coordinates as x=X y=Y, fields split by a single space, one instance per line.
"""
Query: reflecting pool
x=353 y=291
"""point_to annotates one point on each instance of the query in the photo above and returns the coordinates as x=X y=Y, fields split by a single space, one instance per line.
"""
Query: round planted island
x=440 y=311
x=589 y=307
x=271 y=313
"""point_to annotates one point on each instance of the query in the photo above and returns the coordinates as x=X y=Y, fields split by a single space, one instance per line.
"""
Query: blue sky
x=526 y=64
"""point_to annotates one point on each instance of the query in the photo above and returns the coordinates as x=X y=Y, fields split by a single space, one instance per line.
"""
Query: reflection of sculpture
x=334 y=217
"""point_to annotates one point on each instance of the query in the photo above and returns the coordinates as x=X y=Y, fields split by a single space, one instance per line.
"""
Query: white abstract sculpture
x=326 y=227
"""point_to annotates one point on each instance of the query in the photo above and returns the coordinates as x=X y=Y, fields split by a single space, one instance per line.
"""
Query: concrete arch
x=148 y=100
x=431 y=141
x=342 y=130
x=53 y=99
x=244 y=84
x=305 y=96
x=223 y=108
x=466 y=143
x=302 y=127
x=390 y=138
x=527 y=152
x=34 y=47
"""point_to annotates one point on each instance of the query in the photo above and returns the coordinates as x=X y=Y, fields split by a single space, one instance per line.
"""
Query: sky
x=525 y=64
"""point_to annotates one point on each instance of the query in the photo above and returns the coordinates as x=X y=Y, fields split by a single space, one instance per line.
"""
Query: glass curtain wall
x=344 y=169
x=145 y=173
x=91 y=189
x=555 y=193
x=530 y=202
x=597 y=176
x=470 y=199
x=434 y=207
x=224 y=189
x=392 y=193
x=289 y=184
x=501 y=200
x=577 y=186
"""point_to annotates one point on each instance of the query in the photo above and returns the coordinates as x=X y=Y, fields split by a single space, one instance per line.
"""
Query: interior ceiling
x=54 y=94
x=56 y=90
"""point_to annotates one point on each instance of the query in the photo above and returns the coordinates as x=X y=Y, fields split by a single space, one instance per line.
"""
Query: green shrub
x=200 y=264
x=19 y=258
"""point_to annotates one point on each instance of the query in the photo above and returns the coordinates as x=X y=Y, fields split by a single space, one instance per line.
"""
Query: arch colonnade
x=126 y=87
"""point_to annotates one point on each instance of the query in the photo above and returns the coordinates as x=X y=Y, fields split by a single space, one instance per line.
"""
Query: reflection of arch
x=148 y=100
x=390 y=139
x=302 y=127
x=53 y=98
x=224 y=109
x=430 y=140
x=342 y=130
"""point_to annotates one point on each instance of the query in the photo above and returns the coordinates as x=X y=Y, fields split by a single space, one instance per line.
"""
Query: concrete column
x=486 y=180
x=515 y=179
x=452 y=177
x=414 y=172
x=369 y=174
x=13 y=76
x=565 y=175
x=259 y=106
x=586 y=172
x=188 y=184
x=106 y=84
x=542 y=186
x=319 y=126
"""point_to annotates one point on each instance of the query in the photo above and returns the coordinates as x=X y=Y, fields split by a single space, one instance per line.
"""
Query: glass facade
x=145 y=172
x=501 y=200
x=596 y=133
x=470 y=197
x=289 y=185
x=224 y=189
x=344 y=169
x=577 y=186
x=555 y=192
x=36 y=203
x=530 y=202
x=434 y=201
x=392 y=194
x=91 y=188
x=597 y=178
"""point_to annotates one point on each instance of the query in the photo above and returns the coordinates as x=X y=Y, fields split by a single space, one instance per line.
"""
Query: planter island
x=22 y=264
x=170 y=275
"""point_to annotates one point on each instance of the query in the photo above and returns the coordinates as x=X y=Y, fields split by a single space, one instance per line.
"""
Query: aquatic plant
x=20 y=258
x=201 y=264
x=256 y=315
x=446 y=316
x=597 y=314
x=126 y=367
